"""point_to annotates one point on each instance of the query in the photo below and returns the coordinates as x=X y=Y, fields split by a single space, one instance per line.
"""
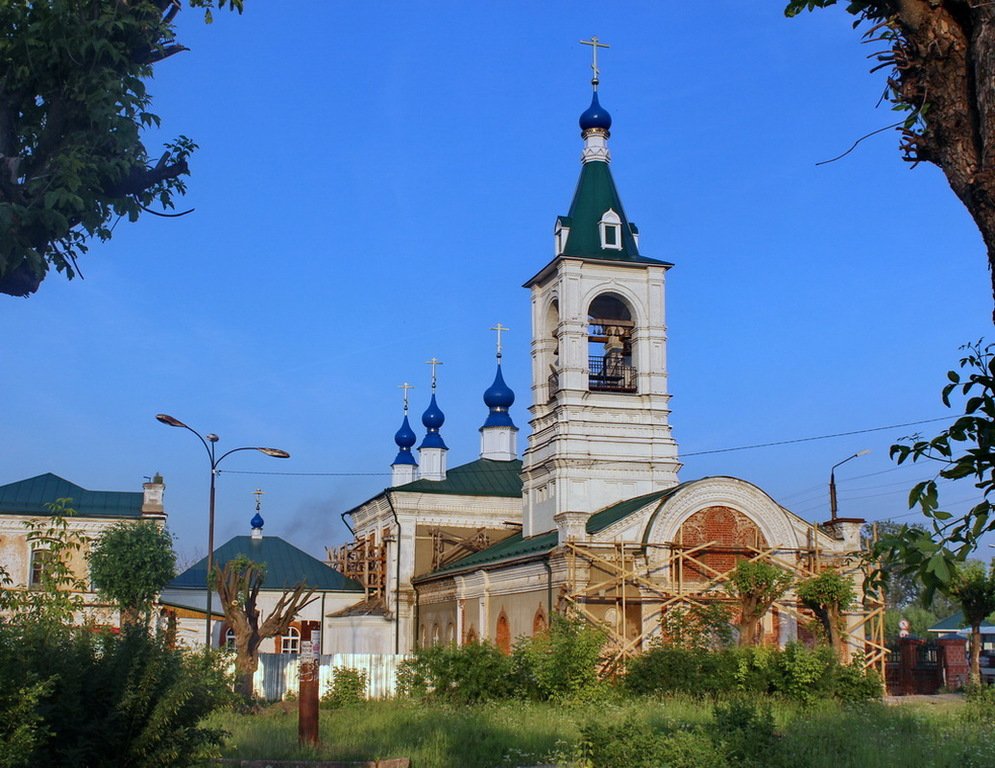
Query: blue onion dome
x=256 y=521
x=433 y=419
x=499 y=394
x=595 y=116
x=405 y=437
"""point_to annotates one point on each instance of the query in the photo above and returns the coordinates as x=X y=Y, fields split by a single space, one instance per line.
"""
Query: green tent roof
x=286 y=566
x=595 y=195
x=31 y=497
x=956 y=623
x=483 y=477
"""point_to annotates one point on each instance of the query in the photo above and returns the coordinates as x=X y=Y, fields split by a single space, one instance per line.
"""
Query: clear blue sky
x=374 y=183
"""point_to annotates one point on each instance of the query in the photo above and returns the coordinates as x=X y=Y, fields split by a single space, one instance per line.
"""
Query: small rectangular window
x=611 y=236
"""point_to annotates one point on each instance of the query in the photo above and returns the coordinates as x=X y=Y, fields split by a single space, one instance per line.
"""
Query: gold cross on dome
x=595 y=44
x=405 y=386
x=434 y=363
x=499 y=328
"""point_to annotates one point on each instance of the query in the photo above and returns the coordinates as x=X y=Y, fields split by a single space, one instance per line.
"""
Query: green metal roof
x=595 y=194
x=956 y=623
x=609 y=515
x=31 y=497
x=483 y=477
x=512 y=548
x=286 y=566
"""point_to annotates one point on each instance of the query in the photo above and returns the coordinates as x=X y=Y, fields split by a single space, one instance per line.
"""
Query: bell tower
x=600 y=408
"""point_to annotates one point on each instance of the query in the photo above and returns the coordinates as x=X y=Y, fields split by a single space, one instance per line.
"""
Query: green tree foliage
x=941 y=77
x=561 y=663
x=964 y=450
x=73 y=108
x=758 y=585
x=973 y=587
x=348 y=688
x=238 y=584
x=460 y=675
x=828 y=596
x=697 y=625
x=130 y=564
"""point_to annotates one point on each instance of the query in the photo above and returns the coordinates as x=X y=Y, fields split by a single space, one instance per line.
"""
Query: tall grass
x=825 y=735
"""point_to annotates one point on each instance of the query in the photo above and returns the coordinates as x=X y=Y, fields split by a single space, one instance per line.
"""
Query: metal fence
x=277 y=673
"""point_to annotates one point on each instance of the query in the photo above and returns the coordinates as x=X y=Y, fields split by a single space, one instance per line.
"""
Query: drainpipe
x=397 y=581
x=347 y=524
x=549 y=592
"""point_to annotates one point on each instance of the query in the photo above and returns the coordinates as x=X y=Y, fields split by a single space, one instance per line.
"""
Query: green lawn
x=825 y=735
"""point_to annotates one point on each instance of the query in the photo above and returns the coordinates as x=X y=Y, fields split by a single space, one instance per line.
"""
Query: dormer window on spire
x=610 y=227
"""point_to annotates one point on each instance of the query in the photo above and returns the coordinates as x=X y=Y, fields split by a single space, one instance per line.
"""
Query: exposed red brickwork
x=502 y=636
x=733 y=533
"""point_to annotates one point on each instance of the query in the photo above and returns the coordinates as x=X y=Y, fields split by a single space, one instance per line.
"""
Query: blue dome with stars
x=404 y=438
x=433 y=419
x=256 y=521
x=595 y=116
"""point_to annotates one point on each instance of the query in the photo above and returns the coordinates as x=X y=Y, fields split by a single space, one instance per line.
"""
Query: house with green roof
x=29 y=503
x=285 y=566
x=593 y=517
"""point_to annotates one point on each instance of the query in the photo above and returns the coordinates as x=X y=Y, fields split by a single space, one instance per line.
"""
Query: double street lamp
x=209 y=440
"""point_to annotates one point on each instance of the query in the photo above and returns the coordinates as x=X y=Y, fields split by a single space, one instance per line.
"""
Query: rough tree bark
x=238 y=585
x=942 y=59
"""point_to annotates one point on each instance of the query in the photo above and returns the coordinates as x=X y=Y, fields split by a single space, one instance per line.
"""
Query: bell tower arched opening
x=609 y=345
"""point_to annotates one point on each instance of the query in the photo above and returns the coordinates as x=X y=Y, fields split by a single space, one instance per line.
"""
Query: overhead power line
x=816 y=437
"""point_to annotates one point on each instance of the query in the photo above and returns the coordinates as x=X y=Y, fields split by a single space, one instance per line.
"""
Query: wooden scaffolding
x=621 y=581
x=363 y=560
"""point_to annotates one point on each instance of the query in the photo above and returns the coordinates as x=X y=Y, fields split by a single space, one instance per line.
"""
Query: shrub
x=472 y=673
x=561 y=663
x=95 y=699
x=744 y=730
x=348 y=688
x=669 y=669
x=634 y=744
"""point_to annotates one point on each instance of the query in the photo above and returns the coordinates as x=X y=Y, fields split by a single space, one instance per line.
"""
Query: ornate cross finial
x=434 y=363
x=258 y=493
x=595 y=44
x=405 y=386
x=499 y=328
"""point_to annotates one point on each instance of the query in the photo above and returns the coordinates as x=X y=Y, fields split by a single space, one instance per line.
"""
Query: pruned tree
x=238 y=584
x=757 y=585
x=73 y=107
x=130 y=563
x=828 y=595
x=940 y=57
x=973 y=587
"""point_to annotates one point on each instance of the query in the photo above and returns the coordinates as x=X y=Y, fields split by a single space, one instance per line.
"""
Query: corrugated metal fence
x=277 y=673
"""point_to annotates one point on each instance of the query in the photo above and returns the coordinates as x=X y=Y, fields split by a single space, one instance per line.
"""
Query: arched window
x=609 y=342
x=436 y=634
x=539 y=622
x=553 y=331
x=471 y=636
x=451 y=633
x=291 y=642
x=229 y=638
x=610 y=227
x=502 y=635
x=41 y=560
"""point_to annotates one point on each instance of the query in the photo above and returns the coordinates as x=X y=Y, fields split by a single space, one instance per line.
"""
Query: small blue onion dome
x=405 y=437
x=433 y=419
x=499 y=394
x=595 y=116
x=499 y=398
x=256 y=521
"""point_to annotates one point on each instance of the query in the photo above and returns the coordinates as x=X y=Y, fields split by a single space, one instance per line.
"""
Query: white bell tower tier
x=600 y=412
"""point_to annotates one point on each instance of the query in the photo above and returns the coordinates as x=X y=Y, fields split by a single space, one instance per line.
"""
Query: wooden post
x=307 y=697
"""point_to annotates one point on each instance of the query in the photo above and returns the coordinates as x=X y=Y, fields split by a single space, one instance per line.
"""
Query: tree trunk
x=245 y=668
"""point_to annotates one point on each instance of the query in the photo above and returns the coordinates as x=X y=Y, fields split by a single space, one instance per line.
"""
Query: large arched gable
x=727 y=493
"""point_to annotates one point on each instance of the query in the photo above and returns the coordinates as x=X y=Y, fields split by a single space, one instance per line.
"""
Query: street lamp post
x=210 y=440
x=832 y=482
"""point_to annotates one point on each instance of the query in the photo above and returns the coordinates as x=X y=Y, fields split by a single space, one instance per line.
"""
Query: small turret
x=498 y=435
x=405 y=468
x=432 y=450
